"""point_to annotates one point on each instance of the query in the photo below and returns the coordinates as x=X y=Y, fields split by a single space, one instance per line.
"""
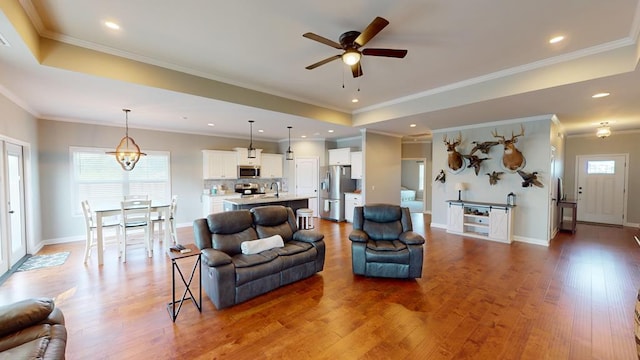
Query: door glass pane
x=14 y=204
x=601 y=167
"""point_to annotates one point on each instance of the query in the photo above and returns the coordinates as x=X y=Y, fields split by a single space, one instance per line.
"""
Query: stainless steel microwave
x=248 y=172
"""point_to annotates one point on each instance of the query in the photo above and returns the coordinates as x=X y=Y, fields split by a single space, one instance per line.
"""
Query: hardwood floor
x=477 y=299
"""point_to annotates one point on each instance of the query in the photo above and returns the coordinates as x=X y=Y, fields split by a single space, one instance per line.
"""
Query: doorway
x=412 y=193
x=306 y=180
x=600 y=183
x=13 y=244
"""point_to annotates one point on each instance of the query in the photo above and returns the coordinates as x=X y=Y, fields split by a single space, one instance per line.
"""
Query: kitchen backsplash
x=228 y=186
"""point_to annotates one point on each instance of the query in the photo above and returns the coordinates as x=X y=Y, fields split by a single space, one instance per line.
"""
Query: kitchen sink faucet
x=276 y=184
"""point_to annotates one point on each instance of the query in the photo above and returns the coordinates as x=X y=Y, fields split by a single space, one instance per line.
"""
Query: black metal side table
x=174 y=256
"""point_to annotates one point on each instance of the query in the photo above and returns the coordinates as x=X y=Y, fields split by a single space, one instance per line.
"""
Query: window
x=98 y=178
x=601 y=167
x=420 y=176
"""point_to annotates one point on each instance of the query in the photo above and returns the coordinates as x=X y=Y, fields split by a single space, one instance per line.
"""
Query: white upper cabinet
x=218 y=164
x=340 y=156
x=243 y=158
x=271 y=167
x=356 y=165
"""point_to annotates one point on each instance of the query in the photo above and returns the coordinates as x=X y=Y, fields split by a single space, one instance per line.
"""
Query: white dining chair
x=136 y=197
x=136 y=214
x=157 y=219
x=91 y=227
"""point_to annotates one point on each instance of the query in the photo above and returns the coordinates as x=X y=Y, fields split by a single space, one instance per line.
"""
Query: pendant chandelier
x=289 y=151
x=251 y=151
x=128 y=152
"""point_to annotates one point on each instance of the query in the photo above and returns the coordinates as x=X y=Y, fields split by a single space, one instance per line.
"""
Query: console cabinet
x=481 y=220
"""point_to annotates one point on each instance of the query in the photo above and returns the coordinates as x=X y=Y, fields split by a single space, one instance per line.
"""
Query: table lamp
x=460 y=187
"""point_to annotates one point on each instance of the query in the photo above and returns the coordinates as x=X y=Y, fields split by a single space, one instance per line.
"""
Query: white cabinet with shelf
x=351 y=200
x=340 y=156
x=271 y=167
x=356 y=165
x=243 y=157
x=218 y=164
x=215 y=204
x=481 y=220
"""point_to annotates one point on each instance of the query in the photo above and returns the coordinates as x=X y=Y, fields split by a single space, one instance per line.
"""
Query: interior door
x=306 y=180
x=17 y=244
x=601 y=188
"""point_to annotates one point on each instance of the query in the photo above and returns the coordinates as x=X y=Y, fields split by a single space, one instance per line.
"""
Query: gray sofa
x=32 y=329
x=230 y=277
x=383 y=243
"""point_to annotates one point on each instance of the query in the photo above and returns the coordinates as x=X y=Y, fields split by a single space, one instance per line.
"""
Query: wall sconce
x=251 y=151
x=604 y=130
x=289 y=151
x=460 y=187
x=127 y=152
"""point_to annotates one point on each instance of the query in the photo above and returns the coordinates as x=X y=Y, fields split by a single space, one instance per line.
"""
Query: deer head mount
x=455 y=160
x=512 y=159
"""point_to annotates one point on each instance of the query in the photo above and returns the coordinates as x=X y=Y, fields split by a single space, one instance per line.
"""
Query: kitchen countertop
x=265 y=199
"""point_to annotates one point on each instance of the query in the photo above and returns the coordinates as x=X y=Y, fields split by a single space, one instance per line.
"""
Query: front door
x=601 y=188
x=306 y=180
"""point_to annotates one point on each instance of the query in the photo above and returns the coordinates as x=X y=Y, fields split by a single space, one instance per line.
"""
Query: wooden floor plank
x=477 y=300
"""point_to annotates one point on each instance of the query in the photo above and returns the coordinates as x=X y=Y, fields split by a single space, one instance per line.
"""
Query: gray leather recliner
x=383 y=243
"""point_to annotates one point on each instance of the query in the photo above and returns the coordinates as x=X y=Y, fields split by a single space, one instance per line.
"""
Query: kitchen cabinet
x=215 y=204
x=271 y=167
x=243 y=159
x=487 y=221
x=356 y=165
x=340 y=156
x=351 y=200
x=217 y=164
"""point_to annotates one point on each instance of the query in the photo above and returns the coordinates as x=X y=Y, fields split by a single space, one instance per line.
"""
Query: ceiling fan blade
x=323 y=40
x=356 y=70
x=372 y=30
x=322 y=62
x=385 y=52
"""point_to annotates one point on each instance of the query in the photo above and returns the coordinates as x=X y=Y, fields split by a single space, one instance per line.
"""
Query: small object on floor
x=179 y=248
x=43 y=261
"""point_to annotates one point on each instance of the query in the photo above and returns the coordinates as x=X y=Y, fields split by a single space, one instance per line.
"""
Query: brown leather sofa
x=32 y=329
x=230 y=277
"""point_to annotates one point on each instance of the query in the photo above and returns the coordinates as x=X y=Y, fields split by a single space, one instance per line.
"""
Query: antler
x=459 y=139
x=514 y=138
x=495 y=134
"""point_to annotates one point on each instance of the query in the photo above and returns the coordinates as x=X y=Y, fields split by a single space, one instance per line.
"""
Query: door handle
x=11 y=211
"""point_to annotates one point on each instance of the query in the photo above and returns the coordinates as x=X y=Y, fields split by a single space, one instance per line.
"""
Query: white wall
x=382 y=168
x=18 y=126
x=531 y=214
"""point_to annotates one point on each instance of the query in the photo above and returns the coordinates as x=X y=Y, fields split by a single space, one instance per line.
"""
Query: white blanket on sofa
x=256 y=246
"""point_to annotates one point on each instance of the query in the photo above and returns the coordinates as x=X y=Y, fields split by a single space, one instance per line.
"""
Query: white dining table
x=162 y=209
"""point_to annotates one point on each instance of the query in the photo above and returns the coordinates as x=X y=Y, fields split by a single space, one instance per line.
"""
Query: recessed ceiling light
x=330 y=131
x=412 y=125
x=556 y=39
x=111 y=25
x=303 y=136
x=260 y=131
x=600 y=95
x=354 y=100
x=211 y=124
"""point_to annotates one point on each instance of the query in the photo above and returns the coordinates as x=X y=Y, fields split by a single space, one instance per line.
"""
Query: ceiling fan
x=351 y=42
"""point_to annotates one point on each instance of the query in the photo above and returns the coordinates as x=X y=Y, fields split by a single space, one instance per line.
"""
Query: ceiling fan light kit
x=127 y=152
x=351 y=42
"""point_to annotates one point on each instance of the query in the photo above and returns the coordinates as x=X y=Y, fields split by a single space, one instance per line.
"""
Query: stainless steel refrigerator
x=335 y=181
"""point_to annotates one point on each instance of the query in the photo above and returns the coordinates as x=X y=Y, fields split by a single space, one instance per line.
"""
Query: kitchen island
x=293 y=201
